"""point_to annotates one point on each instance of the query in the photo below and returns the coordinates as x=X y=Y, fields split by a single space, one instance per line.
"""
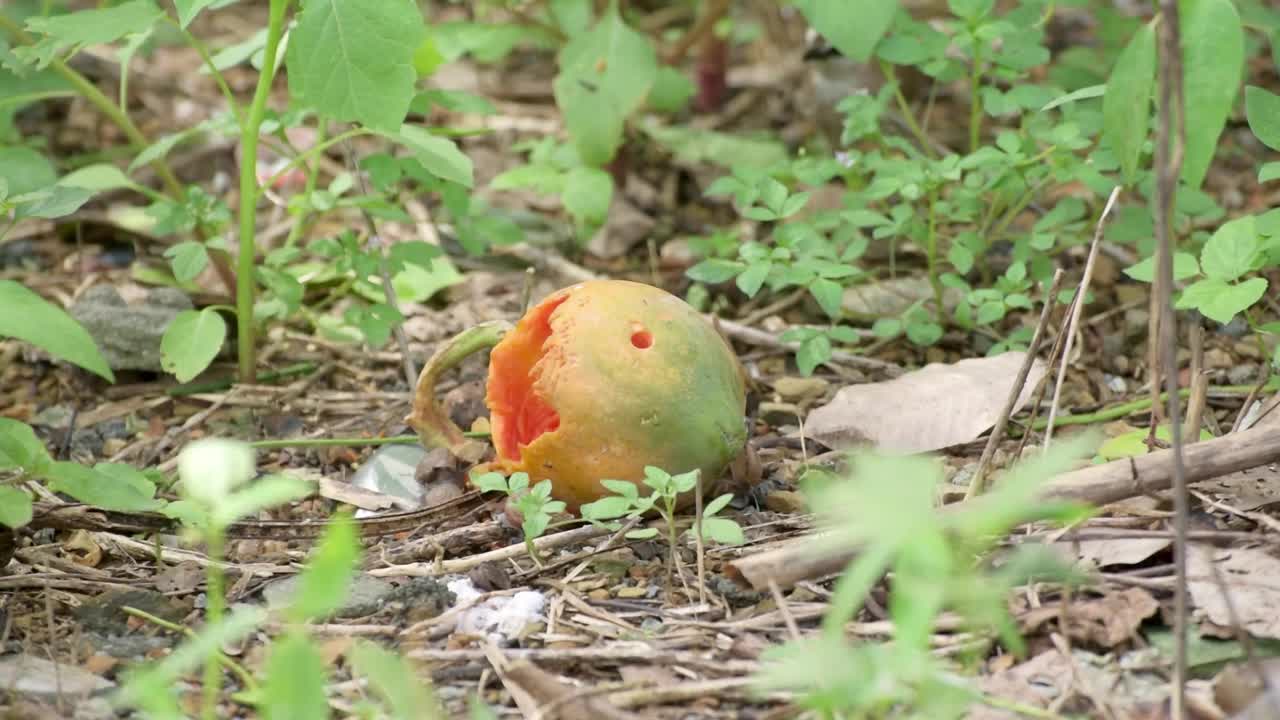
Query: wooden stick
x=799 y=559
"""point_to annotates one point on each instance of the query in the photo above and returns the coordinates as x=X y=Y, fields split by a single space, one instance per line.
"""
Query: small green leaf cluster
x=1226 y=276
x=534 y=504
x=939 y=562
x=665 y=491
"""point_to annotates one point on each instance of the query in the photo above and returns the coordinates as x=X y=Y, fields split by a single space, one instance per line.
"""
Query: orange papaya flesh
x=605 y=377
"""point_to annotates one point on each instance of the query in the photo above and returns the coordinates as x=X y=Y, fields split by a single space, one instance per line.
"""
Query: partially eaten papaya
x=605 y=377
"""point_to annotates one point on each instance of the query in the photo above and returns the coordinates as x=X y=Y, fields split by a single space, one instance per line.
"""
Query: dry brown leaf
x=1117 y=551
x=1250 y=575
x=935 y=407
x=1104 y=622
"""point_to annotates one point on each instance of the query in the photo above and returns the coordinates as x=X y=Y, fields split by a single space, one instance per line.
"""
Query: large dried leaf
x=1250 y=575
x=935 y=407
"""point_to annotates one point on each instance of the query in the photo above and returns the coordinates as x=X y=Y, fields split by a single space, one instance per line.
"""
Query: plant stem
x=1115 y=412
x=975 y=99
x=908 y=115
x=313 y=171
x=215 y=605
x=245 y=281
x=932 y=249
x=198 y=45
x=320 y=146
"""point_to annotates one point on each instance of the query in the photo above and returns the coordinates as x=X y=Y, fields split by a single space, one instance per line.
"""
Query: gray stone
x=47 y=680
x=129 y=335
x=365 y=594
x=1243 y=374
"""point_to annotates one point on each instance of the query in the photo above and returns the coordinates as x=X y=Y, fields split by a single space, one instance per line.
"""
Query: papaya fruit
x=605 y=377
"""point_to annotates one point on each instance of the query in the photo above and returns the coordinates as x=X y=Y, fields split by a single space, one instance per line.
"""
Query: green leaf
x=296 y=679
x=925 y=334
x=191 y=342
x=99 y=26
x=1084 y=93
x=606 y=508
x=1262 y=108
x=1220 y=301
x=127 y=475
x=265 y=492
x=15 y=507
x=439 y=155
x=671 y=90
x=751 y=279
x=1268 y=172
x=326 y=581
x=188 y=9
x=25 y=170
x=392 y=679
x=54 y=201
x=829 y=295
x=1126 y=106
x=851 y=26
x=354 y=61
x=94 y=488
x=188 y=260
x=717 y=505
x=1184 y=266
x=1231 y=251
x=31 y=318
x=98 y=178
x=605 y=75
x=587 y=194
x=714 y=270
x=812 y=353
x=21 y=449
x=723 y=531
x=1212 y=62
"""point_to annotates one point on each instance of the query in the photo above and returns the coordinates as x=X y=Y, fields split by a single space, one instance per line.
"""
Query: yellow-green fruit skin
x=636 y=377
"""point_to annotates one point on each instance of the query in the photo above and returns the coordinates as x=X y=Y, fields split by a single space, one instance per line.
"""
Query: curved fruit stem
x=428 y=419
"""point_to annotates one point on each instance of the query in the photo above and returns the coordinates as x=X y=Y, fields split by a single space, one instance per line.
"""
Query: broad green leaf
x=543 y=178
x=1231 y=250
x=354 y=61
x=1220 y=301
x=851 y=26
x=1126 y=106
x=20 y=448
x=812 y=353
x=188 y=260
x=393 y=679
x=1212 y=62
x=605 y=75
x=54 y=201
x=25 y=170
x=573 y=17
x=99 y=26
x=98 y=178
x=753 y=277
x=1184 y=266
x=588 y=191
x=439 y=155
x=191 y=342
x=1269 y=172
x=970 y=9
x=714 y=271
x=296 y=680
x=723 y=531
x=1262 y=108
x=606 y=508
x=15 y=507
x=326 y=581
x=94 y=488
x=829 y=295
x=671 y=90
x=127 y=475
x=31 y=318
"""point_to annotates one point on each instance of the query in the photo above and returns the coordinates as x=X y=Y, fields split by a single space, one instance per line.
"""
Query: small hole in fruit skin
x=642 y=339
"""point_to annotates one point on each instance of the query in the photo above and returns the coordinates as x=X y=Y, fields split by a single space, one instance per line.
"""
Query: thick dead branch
x=796 y=560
